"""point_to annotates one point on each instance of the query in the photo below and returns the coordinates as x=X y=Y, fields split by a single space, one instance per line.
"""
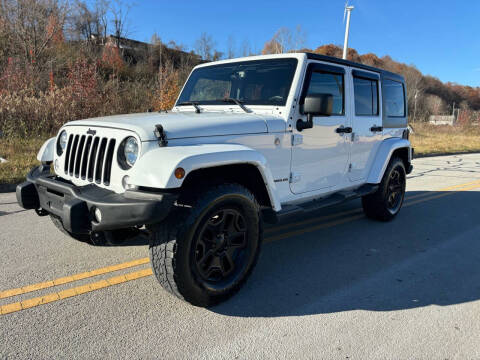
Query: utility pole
x=348 y=11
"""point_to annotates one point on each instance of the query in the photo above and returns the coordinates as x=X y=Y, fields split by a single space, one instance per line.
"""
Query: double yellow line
x=339 y=218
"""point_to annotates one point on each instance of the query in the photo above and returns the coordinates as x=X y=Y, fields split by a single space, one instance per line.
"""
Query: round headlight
x=130 y=151
x=62 y=142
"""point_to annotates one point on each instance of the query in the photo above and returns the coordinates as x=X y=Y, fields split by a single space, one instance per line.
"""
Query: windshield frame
x=293 y=60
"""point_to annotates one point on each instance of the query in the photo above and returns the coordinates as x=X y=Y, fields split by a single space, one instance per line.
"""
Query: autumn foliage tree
x=59 y=63
x=167 y=91
x=112 y=59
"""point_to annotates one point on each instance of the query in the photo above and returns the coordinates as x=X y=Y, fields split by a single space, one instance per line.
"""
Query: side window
x=366 y=96
x=328 y=83
x=394 y=98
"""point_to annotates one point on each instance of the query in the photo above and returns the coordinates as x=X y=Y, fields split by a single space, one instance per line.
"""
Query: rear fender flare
x=384 y=154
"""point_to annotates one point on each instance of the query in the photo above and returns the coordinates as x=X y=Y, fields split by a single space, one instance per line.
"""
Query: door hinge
x=297 y=139
x=294 y=177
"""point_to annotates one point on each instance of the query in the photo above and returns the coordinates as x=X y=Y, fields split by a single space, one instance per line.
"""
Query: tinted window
x=394 y=98
x=327 y=83
x=264 y=82
x=366 y=96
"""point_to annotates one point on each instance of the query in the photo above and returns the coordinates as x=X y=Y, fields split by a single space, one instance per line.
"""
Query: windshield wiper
x=193 y=103
x=236 y=101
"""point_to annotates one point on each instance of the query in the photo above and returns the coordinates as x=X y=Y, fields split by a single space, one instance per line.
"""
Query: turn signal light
x=179 y=173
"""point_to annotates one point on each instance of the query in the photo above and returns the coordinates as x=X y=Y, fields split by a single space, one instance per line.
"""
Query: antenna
x=348 y=12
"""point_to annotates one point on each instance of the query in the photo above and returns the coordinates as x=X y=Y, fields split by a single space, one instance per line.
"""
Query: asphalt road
x=333 y=285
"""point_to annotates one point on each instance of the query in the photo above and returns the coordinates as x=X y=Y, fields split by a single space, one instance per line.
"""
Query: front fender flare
x=47 y=151
x=384 y=154
x=156 y=168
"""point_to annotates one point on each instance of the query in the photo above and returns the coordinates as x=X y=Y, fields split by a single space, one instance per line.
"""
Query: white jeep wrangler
x=248 y=140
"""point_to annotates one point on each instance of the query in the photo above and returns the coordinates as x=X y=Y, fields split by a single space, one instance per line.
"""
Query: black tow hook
x=98 y=238
x=113 y=237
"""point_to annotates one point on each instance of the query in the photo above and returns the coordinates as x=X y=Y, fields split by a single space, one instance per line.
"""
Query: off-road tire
x=59 y=225
x=376 y=205
x=171 y=242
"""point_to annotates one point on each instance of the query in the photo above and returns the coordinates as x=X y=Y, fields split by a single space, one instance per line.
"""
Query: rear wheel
x=387 y=201
x=204 y=255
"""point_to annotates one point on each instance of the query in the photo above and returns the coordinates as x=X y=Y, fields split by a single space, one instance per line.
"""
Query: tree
x=119 y=12
x=31 y=26
x=217 y=55
x=415 y=87
x=204 y=46
x=168 y=89
x=284 y=40
x=89 y=23
x=299 y=38
x=246 y=48
x=279 y=43
x=436 y=105
x=231 y=47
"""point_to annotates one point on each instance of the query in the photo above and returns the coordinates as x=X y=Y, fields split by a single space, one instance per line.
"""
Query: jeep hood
x=179 y=125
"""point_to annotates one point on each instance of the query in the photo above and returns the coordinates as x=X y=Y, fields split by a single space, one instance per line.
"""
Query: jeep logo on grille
x=91 y=132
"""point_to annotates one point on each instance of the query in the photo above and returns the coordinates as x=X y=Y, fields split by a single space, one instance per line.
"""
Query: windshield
x=262 y=82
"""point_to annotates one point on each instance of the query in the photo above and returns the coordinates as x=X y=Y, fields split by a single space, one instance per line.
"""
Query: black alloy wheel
x=386 y=202
x=204 y=253
x=220 y=250
x=396 y=190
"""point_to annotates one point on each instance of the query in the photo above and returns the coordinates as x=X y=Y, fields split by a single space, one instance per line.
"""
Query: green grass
x=21 y=155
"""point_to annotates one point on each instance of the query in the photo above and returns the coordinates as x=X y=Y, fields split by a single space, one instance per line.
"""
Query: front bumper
x=75 y=205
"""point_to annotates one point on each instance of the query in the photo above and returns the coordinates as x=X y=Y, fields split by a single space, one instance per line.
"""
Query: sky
x=441 y=38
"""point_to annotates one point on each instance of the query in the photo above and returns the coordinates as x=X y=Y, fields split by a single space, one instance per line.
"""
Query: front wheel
x=387 y=201
x=204 y=254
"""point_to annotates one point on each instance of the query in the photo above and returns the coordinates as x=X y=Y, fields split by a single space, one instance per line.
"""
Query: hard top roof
x=335 y=60
x=308 y=55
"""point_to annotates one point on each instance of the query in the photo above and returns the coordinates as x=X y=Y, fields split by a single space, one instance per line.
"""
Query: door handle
x=376 y=128
x=343 y=130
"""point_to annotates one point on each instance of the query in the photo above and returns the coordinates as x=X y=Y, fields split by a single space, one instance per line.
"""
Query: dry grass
x=427 y=139
x=430 y=139
x=21 y=155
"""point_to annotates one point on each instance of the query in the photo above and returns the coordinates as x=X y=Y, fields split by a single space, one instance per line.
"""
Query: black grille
x=89 y=157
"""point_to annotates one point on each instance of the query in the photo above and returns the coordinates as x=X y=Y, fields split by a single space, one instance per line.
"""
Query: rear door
x=366 y=124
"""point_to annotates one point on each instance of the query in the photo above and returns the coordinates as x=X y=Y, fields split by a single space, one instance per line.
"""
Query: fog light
x=97 y=214
x=179 y=173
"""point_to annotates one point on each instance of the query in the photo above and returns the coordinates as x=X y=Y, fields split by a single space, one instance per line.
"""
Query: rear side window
x=366 y=96
x=328 y=83
x=394 y=98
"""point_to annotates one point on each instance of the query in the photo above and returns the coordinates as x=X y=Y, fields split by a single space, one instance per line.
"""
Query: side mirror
x=315 y=105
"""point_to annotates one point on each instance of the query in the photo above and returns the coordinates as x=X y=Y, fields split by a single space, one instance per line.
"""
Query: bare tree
x=204 y=46
x=284 y=40
x=29 y=23
x=217 y=55
x=89 y=23
x=119 y=12
x=415 y=87
x=299 y=38
x=231 y=47
x=436 y=105
x=246 y=48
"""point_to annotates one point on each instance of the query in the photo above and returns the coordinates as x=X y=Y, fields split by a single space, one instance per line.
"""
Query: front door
x=320 y=154
x=367 y=123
